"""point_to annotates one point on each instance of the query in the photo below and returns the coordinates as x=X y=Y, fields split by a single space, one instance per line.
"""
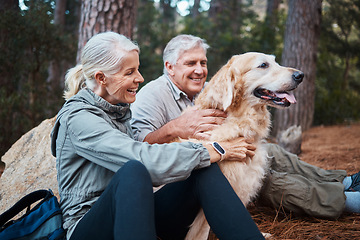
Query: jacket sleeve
x=96 y=140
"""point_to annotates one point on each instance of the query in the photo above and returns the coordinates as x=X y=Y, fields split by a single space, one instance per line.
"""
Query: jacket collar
x=119 y=111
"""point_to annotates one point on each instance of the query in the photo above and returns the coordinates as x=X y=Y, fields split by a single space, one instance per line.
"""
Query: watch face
x=219 y=148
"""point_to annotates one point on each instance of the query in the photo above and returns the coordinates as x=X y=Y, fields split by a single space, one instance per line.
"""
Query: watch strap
x=218 y=148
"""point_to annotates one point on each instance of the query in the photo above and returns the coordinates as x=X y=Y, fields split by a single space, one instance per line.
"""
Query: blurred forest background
x=40 y=40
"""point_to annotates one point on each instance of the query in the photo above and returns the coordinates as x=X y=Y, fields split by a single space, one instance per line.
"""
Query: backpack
x=44 y=221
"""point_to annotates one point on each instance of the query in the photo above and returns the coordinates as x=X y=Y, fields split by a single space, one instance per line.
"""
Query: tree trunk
x=235 y=13
x=195 y=9
x=9 y=5
x=8 y=132
x=272 y=8
x=271 y=21
x=221 y=11
x=106 y=15
x=54 y=71
x=216 y=7
x=300 y=50
x=167 y=12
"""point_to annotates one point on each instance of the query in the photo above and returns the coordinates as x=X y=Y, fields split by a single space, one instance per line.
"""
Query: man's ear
x=100 y=77
x=170 y=68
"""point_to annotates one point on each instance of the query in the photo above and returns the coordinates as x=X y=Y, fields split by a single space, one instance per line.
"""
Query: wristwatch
x=219 y=149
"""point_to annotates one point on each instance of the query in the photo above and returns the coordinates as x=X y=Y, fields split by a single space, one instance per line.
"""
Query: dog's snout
x=298 y=76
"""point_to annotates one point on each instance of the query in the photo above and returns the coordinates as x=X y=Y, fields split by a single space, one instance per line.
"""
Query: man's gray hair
x=180 y=44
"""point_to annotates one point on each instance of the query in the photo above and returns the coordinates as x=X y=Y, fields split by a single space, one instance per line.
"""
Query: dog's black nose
x=298 y=76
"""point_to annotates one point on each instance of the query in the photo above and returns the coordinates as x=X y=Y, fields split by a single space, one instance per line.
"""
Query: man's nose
x=198 y=69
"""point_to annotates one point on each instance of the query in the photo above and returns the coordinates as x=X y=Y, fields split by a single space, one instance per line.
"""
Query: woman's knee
x=135 y=166
x=208 y=174
x=133 y=173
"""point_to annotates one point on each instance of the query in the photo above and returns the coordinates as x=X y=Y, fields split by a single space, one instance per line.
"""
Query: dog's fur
x=244 y=87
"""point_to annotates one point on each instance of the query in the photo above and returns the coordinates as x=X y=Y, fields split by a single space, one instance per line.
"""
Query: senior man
x=163 y=112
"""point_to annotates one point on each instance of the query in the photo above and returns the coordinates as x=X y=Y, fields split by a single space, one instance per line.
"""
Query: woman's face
x=122 y=86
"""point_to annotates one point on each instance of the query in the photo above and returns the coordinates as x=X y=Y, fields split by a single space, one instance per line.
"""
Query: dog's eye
x=264 y=65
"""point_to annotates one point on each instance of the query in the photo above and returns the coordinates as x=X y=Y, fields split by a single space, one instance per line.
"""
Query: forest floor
x=328 y=147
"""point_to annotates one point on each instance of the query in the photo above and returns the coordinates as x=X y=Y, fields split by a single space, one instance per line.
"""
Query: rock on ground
x=29 y=166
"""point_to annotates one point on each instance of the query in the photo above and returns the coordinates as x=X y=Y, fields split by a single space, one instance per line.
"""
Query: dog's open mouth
x=283 y=99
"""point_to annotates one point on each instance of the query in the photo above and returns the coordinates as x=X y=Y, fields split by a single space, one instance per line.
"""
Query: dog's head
x=256 y=78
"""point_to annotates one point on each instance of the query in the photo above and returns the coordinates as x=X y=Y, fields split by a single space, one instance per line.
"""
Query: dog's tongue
x=289 y=96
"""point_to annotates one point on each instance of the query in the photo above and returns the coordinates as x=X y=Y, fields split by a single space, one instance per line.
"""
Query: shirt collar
x=177 y=93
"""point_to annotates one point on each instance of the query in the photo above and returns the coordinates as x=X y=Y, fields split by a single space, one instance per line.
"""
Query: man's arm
x=193 y=123
x=158 y=117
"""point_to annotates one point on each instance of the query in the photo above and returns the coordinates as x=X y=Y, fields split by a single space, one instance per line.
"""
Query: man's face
x=190 y=71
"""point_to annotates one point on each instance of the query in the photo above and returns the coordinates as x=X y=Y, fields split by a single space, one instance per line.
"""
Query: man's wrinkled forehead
x=185 y=55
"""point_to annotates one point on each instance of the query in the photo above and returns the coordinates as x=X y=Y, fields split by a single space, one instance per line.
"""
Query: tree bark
x=271 y=21
x=216 y=7
x=220 y=10
x=195 y=9
x=235 y=13
x=106 y=15
x=9 y=5
x=54 y=78
x=300 y=51
x=271 y=12
x=7 y=113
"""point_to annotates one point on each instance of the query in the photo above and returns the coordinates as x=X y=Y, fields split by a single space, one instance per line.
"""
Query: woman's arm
x=96 y=140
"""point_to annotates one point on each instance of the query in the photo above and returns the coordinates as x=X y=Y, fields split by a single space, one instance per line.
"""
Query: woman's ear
x=100 y=77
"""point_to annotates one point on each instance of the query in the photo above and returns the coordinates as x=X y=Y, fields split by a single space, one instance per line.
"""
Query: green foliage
x=338 y=82
x=29 y=41
x=268 y=37
x=154 y=30
x=225 y=35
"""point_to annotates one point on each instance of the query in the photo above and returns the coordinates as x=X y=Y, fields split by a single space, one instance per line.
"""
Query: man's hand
x=193 y=123
x=196 y=123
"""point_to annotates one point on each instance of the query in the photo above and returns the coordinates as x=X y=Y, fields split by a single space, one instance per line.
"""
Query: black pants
x=128 y=209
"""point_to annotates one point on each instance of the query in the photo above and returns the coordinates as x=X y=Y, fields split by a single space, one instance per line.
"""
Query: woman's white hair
x=103 y=52
x=178 y=45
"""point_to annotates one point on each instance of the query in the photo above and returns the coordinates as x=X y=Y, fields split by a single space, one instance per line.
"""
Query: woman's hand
x=237 y=149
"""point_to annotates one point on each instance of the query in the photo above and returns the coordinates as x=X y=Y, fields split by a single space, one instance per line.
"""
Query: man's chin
x=196 y=90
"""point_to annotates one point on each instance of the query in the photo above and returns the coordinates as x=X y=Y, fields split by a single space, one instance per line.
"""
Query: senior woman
x=105 y=177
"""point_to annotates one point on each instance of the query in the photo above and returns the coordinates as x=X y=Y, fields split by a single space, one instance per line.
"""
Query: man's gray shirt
x=157 y=103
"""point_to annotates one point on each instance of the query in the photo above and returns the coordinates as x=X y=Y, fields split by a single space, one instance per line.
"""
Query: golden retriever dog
x=244 y=87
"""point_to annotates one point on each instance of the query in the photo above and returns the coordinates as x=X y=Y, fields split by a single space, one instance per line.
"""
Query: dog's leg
x=199 y=229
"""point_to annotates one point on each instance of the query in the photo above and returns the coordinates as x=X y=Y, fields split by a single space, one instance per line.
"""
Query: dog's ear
x=219 y=92
x=227 y=84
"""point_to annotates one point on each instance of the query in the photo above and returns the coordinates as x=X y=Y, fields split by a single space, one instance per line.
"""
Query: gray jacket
x=92 y=139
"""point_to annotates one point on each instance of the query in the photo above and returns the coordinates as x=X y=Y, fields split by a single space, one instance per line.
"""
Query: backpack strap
x=23 y=203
